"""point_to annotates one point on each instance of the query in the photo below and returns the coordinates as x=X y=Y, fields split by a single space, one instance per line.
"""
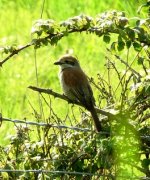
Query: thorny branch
x=118 y=117
x=16 y=51
x=63 y=97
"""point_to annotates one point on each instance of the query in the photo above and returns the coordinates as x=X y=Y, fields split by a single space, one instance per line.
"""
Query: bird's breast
x=72 y=78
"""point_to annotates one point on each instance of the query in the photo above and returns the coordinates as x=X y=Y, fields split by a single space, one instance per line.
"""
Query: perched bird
x=75 y=85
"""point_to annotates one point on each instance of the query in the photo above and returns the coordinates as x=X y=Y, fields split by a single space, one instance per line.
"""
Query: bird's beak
x=58 y=63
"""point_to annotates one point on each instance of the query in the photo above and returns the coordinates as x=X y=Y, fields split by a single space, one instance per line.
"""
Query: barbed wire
x=40 y=171
x=44 y=124
x=53 y=172
x=147 y=137
x=48 y=125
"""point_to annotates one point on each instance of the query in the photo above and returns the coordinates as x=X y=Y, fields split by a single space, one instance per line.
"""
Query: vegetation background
x=17 y=18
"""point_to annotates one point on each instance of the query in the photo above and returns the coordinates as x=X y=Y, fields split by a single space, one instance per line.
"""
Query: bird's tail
x=96 y=120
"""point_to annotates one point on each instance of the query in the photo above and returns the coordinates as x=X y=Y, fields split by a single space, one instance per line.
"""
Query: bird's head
x=67 y=61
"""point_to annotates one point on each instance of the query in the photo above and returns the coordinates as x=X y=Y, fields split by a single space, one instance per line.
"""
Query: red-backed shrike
x=75 y=85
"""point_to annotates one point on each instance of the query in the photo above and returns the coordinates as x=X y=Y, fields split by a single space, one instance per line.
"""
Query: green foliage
x=48 y=31
x=122 y=150
x=73 y=153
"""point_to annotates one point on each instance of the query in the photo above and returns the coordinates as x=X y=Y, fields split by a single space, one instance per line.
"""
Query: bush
x=122 y=149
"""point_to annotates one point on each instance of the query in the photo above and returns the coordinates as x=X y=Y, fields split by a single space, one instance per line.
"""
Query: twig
x=129 y=67
x=125 y=63
x=1 y=119
x=16 y=51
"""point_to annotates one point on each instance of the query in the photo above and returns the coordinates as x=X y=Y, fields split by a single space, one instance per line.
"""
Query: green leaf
x=54 y=40
x=131 y=33
x=45 y=42
x=106 y=39
x=145 y=163
x=39 y=32
x=128 y=44
x=137 y=46
x=120 y=45
x=123 y=21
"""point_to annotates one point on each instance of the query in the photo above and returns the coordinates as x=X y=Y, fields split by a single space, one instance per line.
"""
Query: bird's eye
x=69 y=62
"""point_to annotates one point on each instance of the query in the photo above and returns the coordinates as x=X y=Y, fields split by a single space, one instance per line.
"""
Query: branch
x=37 y=42
x=118 y=117
x=50 y=32
x=63 y=97
x=16 y=51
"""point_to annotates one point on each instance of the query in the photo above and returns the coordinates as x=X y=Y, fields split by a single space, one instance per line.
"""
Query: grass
x=18 y=73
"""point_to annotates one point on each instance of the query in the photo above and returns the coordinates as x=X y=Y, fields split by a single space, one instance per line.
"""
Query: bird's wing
x=79 y=86
x=84 y=95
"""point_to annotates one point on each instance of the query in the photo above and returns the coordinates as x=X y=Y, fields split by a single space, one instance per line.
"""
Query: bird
x=75 y=85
